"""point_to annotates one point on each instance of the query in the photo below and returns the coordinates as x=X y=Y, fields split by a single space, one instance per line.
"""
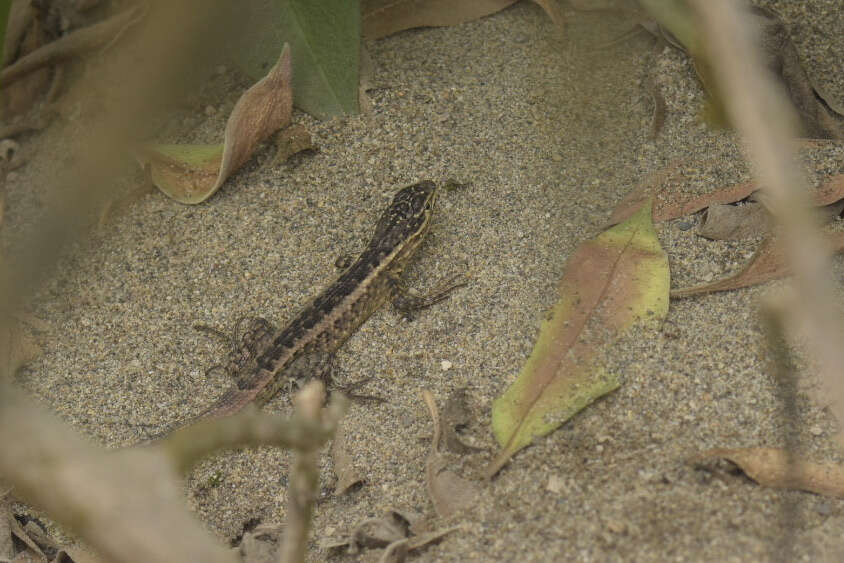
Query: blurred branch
x=251 y=427
x=760 y=111
x=73 y=44
x=304 y=477
x=128 y=503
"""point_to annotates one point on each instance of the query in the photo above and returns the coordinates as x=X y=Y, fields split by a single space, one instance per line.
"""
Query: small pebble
x=685 y=225
x=555 y=484
x=446 y=365
x=210 y=110
x=816 y=430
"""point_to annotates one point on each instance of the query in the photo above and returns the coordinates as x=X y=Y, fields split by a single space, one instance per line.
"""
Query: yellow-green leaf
x=192 y=173
x=611 y=282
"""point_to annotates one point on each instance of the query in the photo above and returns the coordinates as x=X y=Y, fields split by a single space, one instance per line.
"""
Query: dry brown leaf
x=734 y=222
x=397 y=531
x=831 y=191
x=449 y=492
x=344 y=468
x=260 y=545
x=292 y=140
x=385 y=17
x=456 y=415
x=768 y=263
x=671 y=201
x=192 y=173
x=819 y=120
x=375 y=533
x=777 y=468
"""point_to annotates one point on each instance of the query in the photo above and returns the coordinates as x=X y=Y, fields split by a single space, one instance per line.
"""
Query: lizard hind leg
x=407 y=300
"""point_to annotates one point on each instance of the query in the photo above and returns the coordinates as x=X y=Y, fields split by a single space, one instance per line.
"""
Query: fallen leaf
x=672 y=201
x=449 y=492
x=291 y=140
x=347 y=474
x=830 y=191
x=381 y=532
x=456 y=415
x=192 y=173
x=385 y=17
x=768 y=263
x=610 y=283
x=777 y=468
x=819 y=120
x=395 y=529
x=734 y=222
x=261 y=544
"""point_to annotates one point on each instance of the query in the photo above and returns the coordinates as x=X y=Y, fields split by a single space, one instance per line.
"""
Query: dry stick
x=69 y=46
x=188 y=445
x=126 y=504
x=759 y=110
x=304 y=479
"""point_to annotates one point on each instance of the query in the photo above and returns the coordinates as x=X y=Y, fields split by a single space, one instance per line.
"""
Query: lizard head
x=406 y=220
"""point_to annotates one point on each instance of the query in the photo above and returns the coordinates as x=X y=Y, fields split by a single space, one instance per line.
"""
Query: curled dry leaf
x=260 y=545
x=392 y=530
x=734 y=222
x=768 y=263
x=449 y=492
x=347 y=474
x=192 y=173
x=819 y=120
x=456 y=415
x=292 y=140
x=780 y=469
x=611 y=283
x=672 y=201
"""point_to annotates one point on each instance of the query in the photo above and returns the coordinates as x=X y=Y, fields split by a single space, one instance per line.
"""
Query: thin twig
x=759 y=110
x=188 y=445
x=304 y=478
x=69 y=46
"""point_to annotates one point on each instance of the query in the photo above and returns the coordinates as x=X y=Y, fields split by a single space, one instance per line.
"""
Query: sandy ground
x=550 y=133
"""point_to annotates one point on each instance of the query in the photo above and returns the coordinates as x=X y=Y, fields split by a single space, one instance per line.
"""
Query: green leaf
x=324 y=37
x=325 y=42
x=611 y=283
